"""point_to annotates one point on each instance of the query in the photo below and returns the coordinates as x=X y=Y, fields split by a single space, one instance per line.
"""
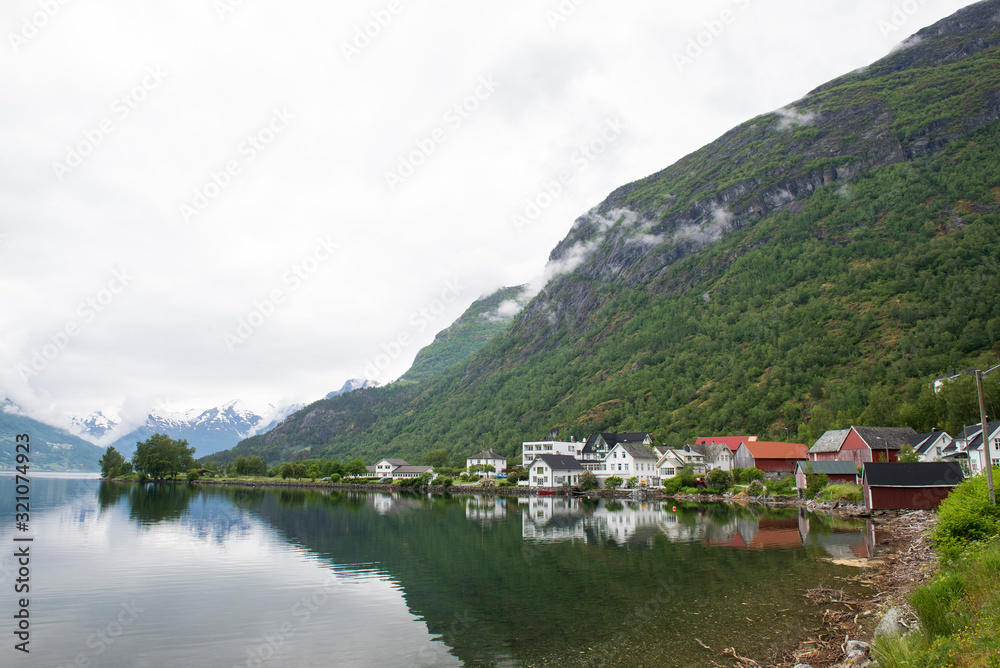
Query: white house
x=398 y=468
x=977 y=455
x=669 y=464
x=930 y=447
x=486 y=458
x=530 y=450
x=715 y=456
x=554 y=471
x=627 y=460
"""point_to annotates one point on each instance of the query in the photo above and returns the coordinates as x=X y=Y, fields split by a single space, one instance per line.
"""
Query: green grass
x=959 y=611
x=842 y=491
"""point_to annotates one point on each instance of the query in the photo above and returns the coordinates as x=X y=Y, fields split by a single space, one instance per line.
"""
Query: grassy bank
x=959 y=608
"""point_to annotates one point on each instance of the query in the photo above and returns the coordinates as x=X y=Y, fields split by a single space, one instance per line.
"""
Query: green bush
x=632 y=482
x=588 y=481
x=719 y=479
x=815 y=482
x=673 y=486
x=613 y=483
x=966 y=517
x=335 y=477
x=443 y=481
x=192 y=475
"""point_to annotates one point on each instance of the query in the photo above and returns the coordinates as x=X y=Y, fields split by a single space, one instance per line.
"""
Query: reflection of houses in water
x=552 y=518
x=486 y=509
x=637 y=523
x=385 y=504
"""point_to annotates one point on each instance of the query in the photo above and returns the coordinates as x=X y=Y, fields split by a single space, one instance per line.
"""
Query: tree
x=632 y=482
x=613 y=483
x=252 y=465
x=355 y=467
x=111 y=463
x=588 y=481
x=160 y=456
x=907 y=454
x=293 y=470
x=436 y=458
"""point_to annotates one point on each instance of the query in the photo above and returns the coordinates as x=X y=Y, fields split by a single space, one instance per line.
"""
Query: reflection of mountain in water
x=504 y=581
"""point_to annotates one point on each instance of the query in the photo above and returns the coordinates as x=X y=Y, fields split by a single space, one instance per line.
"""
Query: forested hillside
x=812 y=268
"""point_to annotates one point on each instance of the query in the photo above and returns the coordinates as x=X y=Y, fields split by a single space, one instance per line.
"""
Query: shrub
x=335 y=477
x=756 y=488
x=751 y=474
x=588 y=481
x=192 y=475
x=632 y=483
x=966 y=517
x=613 y=483
x=443 y=481
x=719 y=479
x=815 y=482
x=672 y=486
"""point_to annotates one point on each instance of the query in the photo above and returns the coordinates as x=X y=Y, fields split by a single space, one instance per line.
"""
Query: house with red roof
x=770 y=457
x=732 y=442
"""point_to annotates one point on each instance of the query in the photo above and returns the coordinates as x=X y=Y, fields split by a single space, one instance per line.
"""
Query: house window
x=626 y=466
x=669 y=471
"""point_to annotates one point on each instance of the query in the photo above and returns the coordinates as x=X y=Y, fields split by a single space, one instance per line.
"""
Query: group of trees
x=158 y=457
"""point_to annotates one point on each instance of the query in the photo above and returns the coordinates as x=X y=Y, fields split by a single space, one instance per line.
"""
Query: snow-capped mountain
x=209 y=431
x=93 y=427
x=351 y=385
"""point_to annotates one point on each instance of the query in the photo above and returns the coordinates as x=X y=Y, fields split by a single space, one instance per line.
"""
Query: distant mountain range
x=80 y=448
x=51 y=448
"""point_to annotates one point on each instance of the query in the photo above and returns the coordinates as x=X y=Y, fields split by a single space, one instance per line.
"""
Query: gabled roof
x=394 y=462
x=922 y=443
x=637 y=451
x=486 y=454
x=633 y=437
x=732 y=442
x=885 y=438
x=830 y=468
x=591 y=444
x=713 y=452
x=770 y=450
x=830 y=441
x=413 y=469
x=919 y=474
x=559 y=462
x=977 y=442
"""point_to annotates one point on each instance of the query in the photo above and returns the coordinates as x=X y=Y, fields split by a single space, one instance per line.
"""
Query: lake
x=178 y=575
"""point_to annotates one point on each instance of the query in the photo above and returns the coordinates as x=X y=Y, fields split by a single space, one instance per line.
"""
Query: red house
x=770 y=457
x=861 y=444
x=909 y=486
x=874 y=444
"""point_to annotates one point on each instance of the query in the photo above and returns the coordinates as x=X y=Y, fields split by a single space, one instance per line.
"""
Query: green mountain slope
x=484 y=319
x=51 y=449
x=778 y=279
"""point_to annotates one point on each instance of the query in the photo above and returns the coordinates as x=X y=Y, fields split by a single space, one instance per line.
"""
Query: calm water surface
x=133 y=575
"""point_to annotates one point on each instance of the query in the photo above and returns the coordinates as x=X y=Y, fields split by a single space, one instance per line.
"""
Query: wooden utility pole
x=986 y=437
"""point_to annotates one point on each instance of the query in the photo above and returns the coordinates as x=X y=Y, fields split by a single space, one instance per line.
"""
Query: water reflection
x=637 y=524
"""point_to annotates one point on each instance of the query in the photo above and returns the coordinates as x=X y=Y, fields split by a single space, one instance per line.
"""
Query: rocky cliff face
x=868 y=119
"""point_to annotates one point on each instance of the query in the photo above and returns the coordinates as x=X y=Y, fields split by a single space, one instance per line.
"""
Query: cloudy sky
x=219 y=199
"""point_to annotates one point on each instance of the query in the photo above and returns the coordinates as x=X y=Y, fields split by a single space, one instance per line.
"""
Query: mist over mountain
x=771 y=282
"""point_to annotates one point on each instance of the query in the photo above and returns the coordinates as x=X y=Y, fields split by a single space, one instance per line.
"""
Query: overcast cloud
x=254 y=199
